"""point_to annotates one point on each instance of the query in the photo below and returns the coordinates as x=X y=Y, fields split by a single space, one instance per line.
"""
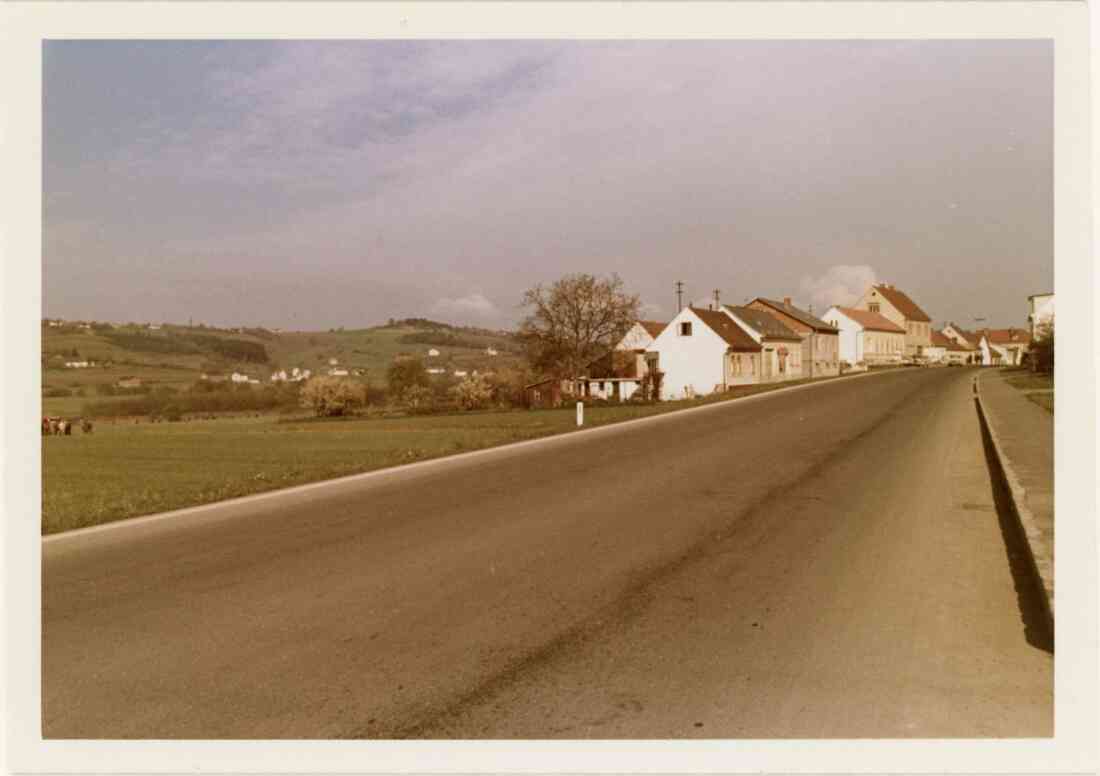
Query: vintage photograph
x=547 y=389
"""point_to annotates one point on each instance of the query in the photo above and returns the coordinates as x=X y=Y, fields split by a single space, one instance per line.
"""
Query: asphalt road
x=820 y=563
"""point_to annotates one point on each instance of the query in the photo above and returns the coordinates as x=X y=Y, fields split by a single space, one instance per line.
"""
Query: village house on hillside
x=866 y=337
x=820 y=341
x=1041 y=313
x=781 y=348
x=702 y=351
x=896 y=306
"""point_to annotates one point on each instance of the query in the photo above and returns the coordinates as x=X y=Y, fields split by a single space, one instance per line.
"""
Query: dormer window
x=685 y=328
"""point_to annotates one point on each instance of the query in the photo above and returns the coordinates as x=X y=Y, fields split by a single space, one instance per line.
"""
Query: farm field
x=128 y=469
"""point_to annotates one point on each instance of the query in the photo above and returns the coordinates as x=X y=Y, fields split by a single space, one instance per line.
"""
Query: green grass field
x=1038 y=388
x=126 y=469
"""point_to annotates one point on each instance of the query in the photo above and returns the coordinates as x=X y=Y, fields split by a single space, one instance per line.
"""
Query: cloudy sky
x=323 y=184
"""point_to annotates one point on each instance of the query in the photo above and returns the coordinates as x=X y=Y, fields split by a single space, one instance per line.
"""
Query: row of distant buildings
x=717 y=347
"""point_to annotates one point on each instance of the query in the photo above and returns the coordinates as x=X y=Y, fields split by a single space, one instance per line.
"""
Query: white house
x=77 y=364
x=436 y=370
x=279 y=377
x=1003 y=347
x=337 y=372
x=866 y=337
x=237 y=377
x=333 y=361
x=641 y=335
x=490 y=351
x=460 y=373
x=433 y=352
x=703 y=351
x=1041 y=314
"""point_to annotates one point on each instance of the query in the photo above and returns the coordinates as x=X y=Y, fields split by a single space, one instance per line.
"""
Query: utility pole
x=679 y=295
x=717 y=302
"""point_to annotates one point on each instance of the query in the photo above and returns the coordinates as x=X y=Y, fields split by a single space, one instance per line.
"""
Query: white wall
x=690 y=364
x=637 y=338
x=850 y=341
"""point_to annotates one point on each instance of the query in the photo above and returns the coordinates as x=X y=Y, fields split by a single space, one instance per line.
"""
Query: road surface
x=828 y=562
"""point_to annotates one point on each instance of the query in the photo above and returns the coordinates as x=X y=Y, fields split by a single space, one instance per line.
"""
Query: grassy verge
x=1038 y=388
x=127 y=469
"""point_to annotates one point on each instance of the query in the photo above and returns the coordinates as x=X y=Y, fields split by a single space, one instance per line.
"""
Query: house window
x=685 y=329
x=873 y=307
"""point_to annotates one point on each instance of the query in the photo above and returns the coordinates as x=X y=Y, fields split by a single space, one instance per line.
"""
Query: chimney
x=787 y=302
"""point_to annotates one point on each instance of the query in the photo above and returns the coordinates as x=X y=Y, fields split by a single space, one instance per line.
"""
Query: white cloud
x=471 y=306
x=842 y=285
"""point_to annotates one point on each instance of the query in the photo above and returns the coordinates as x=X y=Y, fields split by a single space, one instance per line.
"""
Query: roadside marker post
x=580 y=413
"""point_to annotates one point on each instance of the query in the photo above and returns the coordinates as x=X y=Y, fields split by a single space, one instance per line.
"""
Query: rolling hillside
x=176 y=356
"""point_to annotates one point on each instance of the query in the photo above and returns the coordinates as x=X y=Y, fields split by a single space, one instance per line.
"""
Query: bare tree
x=576 y=320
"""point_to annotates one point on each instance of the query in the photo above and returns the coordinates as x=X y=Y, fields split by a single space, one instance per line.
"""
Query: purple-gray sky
x=322 y=184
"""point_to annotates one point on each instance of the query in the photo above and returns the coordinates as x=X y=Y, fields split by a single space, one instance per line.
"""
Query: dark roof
x=653 y=327
x=799 y=315
x=903 y=303
x=768 y=325
x=614 y=364
x=870 y=320
x=726 y=328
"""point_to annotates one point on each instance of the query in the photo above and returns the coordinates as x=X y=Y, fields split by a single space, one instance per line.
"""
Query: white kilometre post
x=580 y=413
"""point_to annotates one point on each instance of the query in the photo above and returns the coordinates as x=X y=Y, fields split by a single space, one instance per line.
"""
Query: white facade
x=237 y=377
x=850 y=339
x=436 y=370
x=1041 y=314
x=490 y=351
x=337 y=372
x=636 y=338
x=693 y=363
x=77 y=364
x=433 y=352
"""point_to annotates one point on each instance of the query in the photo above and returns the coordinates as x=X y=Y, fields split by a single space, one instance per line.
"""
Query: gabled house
x=1004 y=347
x=702 y=351
x=781 y=348
x=820 y=341
x=618 y=375
x=896 y=306
x=867 y=338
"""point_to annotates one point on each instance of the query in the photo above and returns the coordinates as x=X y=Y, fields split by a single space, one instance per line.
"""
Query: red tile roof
x=1008 y=336
x=653 y=327
x=941 y=340
x=970 y=337
x=870 y=320
x=903 y=303
x=726 y=328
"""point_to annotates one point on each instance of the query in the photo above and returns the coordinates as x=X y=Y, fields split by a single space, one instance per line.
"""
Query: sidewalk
x=1023 y=435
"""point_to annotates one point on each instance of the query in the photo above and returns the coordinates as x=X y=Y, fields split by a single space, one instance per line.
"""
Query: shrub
x=332 y=396
x=405 y=373
x=1042 y=350
x=473 y=393
x=418 y=400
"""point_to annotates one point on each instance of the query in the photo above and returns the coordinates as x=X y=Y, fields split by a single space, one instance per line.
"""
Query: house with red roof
x=896 y=306
x=1004 y=347
x=702 y=351
x=946 y=350
x=866 y=338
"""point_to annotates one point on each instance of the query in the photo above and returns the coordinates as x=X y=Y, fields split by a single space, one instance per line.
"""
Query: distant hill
x=177 y=355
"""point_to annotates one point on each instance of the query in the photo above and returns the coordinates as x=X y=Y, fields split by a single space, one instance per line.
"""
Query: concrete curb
x=560 y=438
x=1041 y=563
